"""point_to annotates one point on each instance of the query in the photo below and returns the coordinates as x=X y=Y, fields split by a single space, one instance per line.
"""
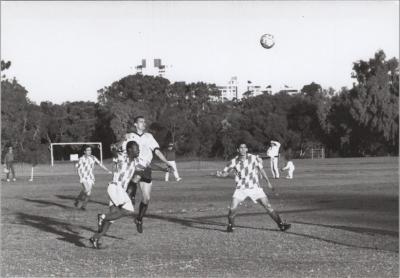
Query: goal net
x=66 y=152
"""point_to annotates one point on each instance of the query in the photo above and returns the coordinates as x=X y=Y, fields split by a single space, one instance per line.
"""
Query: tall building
x=154 y=69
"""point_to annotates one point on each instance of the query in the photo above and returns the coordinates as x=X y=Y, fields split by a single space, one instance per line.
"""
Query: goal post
x=317 y=153
x=75 y=143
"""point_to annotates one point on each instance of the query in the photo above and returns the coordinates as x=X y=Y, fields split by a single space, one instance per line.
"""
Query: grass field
x=344 y=215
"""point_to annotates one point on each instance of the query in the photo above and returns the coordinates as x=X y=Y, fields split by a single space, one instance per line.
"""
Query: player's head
x=170 y=146
x=132 y=149
x=10 y=149
x=242 y=148
x=87 y=150
x=140 y=123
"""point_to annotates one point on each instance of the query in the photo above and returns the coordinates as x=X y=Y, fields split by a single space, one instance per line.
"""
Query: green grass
x=344 y=215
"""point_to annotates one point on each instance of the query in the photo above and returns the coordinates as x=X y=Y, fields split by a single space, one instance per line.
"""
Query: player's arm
x=225 y=172
x=161 y=156
x=102 y=165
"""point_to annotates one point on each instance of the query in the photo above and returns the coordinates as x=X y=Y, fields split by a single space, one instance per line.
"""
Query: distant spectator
x=170 y=156
x=9 y=160
x=289 y=167
x=273 y=153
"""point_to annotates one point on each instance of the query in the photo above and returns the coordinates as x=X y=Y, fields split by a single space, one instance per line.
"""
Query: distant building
x=230 y=91
x=256 y=90
x=155 y=69
x=289 y=90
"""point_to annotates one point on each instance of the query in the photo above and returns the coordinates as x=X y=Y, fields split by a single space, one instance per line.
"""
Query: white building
x=230 y=91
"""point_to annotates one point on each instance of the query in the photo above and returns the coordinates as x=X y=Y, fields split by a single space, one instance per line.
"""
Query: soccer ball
x=267 y=41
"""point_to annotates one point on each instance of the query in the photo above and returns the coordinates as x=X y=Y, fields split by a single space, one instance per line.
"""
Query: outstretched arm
x=162 y=157
x=102 y=166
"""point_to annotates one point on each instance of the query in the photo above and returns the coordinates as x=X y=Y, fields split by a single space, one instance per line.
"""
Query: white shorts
x=118 y=196
x=87 y=185
x=253 y=193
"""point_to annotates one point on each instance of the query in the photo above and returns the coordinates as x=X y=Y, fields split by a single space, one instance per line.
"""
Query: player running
x=247 y=168
x=85 y=167
x=147 y=145
x=120 y=202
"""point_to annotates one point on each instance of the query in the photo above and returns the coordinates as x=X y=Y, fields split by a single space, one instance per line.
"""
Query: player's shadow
x=67 y=231
x=189 y=222
x=45 y=203
x=354 y=229
x=199 y=223
x=47 y=224
x=72 y=198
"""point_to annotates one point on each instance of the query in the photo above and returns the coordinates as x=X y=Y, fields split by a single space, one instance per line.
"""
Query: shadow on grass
x=65 y=230
x=72 y=198
x=46 y=203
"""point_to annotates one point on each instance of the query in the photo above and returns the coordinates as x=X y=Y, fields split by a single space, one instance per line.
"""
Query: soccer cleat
x=139 y=226
x=100 y=220
x=284 y=226
x=14 y=179
x=8 y=180
x=95 y=242
x=229 y=229
x=178 y=179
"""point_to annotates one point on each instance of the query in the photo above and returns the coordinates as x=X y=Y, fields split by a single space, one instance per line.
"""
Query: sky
x=67 y=51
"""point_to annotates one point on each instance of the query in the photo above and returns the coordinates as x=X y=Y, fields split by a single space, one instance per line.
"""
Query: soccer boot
x=229 y=229
x=95 y=242
x=139 y=226
x=100 y=220
x=284 y=226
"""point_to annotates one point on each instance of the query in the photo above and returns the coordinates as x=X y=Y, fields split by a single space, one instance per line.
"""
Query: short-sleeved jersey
x=85 y=167
x=273 y=151
x=125 y=170
x=246 y=171
x=147 y=145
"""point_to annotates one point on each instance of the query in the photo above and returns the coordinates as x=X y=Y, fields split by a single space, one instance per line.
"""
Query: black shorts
x=145 y=174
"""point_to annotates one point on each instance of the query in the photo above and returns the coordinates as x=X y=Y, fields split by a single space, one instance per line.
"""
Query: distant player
x=147 y=145
x=247 y=168
x=273 y=153
x=170 y=155
x=289 y=167
x=120 y=202
x=85 y=167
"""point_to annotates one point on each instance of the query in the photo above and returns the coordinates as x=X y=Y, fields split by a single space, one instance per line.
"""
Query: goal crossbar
x=76 y=143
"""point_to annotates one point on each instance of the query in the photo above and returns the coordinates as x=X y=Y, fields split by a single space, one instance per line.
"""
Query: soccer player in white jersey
x=147 y=145
x=85 y=167
x=273 y=153
x=247 y=168
x=120 y=202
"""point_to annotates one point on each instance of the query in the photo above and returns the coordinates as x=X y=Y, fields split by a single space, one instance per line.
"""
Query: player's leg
x=12 y=171
x=283 y=226
x=80 y=197
x=272 y=166
x=175 y=170
x=276 y=169
x=8 y=173
x=146 y=192
x=232 y=213
x=87 y=184
x=290 y=173
x=167 y=176
x=132 y=187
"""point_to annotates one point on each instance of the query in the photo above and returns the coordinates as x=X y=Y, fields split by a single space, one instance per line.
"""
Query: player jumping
x=147 y=145
x=120 y=202
x=247 y=168
x=85 y=167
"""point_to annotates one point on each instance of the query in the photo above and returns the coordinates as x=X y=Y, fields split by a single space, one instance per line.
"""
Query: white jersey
x=273 y=151
x=147 y=145
x=289 y=166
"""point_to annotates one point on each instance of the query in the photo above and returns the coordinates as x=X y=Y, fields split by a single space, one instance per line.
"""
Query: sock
x=142 y=210
x=231 y=218
x=276 y=217
x=85 y=200
x=80 y=196
x=104 y=228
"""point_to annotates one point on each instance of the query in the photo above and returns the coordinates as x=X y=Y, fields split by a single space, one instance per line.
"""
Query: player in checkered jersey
x=247 y=168
x=85 y=167
x=120 y=202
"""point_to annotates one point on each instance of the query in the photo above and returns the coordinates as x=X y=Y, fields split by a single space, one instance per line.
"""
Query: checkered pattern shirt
x=125 y=170
x=246 y=171
x=85 y=167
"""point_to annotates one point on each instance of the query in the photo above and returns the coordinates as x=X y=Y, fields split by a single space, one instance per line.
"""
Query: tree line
x=361 y=121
